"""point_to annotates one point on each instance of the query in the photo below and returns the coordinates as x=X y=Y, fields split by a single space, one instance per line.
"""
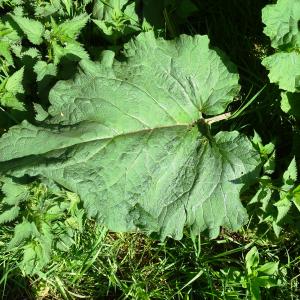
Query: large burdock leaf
x=130 y=138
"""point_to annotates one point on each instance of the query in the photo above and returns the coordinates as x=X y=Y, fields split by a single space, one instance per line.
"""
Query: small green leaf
x=262 y=196
x=283 y=207
x=11 y=101
x=296 y=197
x=269 y=268
x=35 y=257
x=33 y=29
x=9 y=215
x=252 y=260
x=14 y=82
x=290 y=175
x=75 y=51
x=14 y=192
x=264 y=281
x=22 y=232
x=270 y=164
x=5 y=52
x=71 y=28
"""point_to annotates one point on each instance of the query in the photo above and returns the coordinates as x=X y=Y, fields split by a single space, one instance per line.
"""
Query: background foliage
x=49 y=249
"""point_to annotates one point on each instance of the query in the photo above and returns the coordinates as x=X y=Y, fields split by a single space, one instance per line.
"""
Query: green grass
x=104 y=265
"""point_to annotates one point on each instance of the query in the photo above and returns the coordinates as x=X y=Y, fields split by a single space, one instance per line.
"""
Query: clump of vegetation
x=135 y=160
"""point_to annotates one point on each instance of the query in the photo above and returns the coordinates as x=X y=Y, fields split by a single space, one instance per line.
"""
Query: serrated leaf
x=75 y=51
x=13 y=86
x=71 y=28
x=14 y=192
x=7 y=32
x=270 y=164
x=283 y=207
x=290 y=175
x=29 y=262
x=107 y=29
x=282 y=23
x=9 y=215
x=35 y=257
x=263 y=196
x=33 y=29
x=284 y=70
x=296 y=197
x=123 y=136
x=14 y=82
x=11 y=101
x=5 y=52
x=19 y=11
x=109 y=10
x=31 y=52
x=46 y=9
x=22 y=232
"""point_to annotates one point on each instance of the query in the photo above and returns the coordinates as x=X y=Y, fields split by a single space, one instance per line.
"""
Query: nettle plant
x=132 y=138
x=275 y=198
x=44 y=220
x=38 y=45
x=254 y=277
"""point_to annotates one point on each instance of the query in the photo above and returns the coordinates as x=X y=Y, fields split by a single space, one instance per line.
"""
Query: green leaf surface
x=71 y=28
x=9 y=215
x=7 y=32
x=290 y=176
x=22 y=232
x=14 y=82
x=296 y=197
x=115 y=18
x=265 y=281
x=12 y=87
x=269 y=268
x=5 y=52
x=130 y=139
x=73 y=51
x=290 y=103
x=42 y=69
x=284 y=70
x=33 y=29
x=14 y=192
x=252 y=260
x=282 y=23
x=10 y=100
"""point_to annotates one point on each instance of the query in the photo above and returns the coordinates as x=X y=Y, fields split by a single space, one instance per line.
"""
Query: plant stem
x=218 y=118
